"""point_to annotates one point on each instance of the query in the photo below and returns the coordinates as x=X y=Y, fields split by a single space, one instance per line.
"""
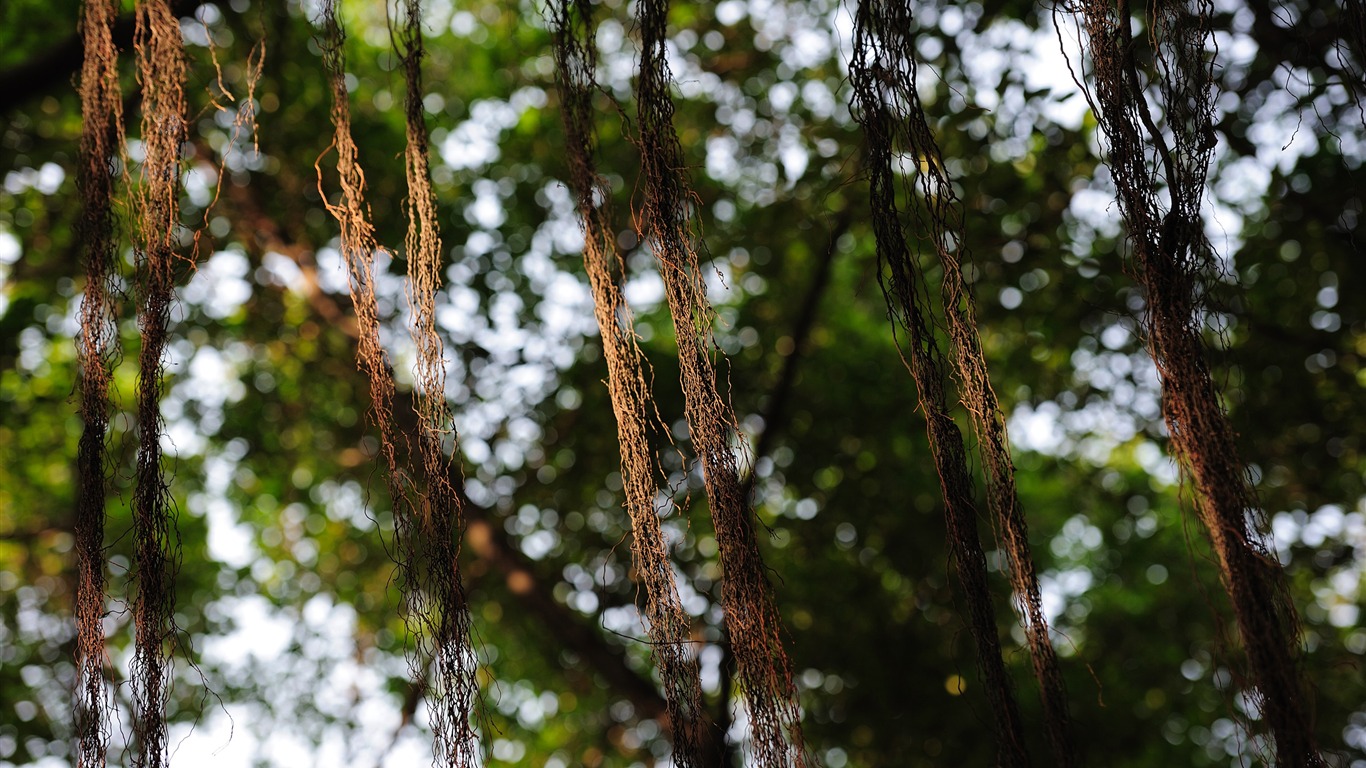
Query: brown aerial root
x=358 y=248
x=1171 y=258
x=668 y=623
x=885 y=84
x=97 y=349
x=752 y=619
x=425 y=524
x=161 y=71
x=438 y=614
x=882 y=71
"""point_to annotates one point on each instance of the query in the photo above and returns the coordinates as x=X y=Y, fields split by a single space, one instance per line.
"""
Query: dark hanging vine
x=888 y=106
x=1354 y=14
x=874 y=74
x=1171 y=257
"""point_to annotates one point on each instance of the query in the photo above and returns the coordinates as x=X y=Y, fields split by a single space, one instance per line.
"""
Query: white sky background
x=525 y=363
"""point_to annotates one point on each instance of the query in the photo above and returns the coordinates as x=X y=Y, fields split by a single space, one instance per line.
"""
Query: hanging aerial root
x=885 y=71
x=161 y=70
x=425 y=523
x=97 y=349
x=668 y=623
x=752 y=620
x=879 y=74
x=1172 y=257
x=359 y=248
x=439 y=617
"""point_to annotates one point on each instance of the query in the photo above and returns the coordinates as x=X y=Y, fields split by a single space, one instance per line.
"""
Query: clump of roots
x=752 y=620
x=908 y=302
x=426 y=520
x=1172 y=258
x=97 y=348
x=888 y=103
x=161 y=71
x=668 y=622
x=436 y=595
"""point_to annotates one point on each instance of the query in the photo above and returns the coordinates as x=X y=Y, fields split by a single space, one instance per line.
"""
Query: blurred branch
x=774 y=415
x=491 y=544
x=262 y=233
x=1298 y=45
x=775 y=409
x=56 y=66
x=411 y=698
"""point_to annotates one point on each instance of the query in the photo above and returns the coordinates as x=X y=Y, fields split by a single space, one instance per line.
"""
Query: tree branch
x=492 y=545
x=60 y=62
x=774 y=414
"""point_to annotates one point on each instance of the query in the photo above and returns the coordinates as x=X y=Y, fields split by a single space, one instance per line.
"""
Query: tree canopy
x=290 y=643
